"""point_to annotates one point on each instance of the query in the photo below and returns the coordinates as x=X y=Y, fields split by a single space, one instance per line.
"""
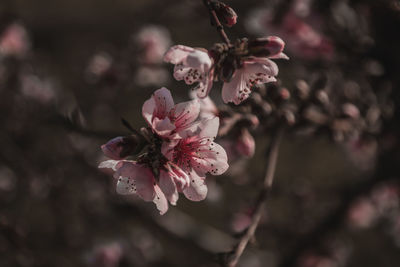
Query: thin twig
x=216 y=22
x=272 y=156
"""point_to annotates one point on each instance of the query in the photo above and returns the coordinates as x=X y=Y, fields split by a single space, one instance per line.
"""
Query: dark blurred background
x=70 y=70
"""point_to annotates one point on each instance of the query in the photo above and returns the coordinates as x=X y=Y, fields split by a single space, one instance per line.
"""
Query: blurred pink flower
x=99 y=65
x=106 y=256
x=362 y=214
x=196 y=154
x=151 y=76
x=254 y=71
x=36 y=88
x=245 y=143
x=386 y=197
x=192 y=66
x=241 y=221
x=167 y=119
x=14 y=41
x=153 y=42
x=302 y=39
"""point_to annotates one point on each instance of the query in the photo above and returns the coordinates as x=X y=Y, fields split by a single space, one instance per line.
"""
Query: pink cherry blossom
x=108 y=255
x=255 y=71
x=197 y=154
x=192 y=66
x=167 y=119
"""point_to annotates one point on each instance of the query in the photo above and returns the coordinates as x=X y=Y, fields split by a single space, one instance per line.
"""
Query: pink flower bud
x=107 y=255
x=120 y=147
x=14 y=41
x=270 y=46
x=225 y=13
x=245 y=144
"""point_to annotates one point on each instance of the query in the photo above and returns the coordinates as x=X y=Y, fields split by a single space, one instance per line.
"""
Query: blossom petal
x=135 y=179
x=261 y=65
x=211 y=158
x=231 y=91
x=180 y=72
x=205 y=85
x=199 y=60
x=177 y=54
x=160 y=200
x=209 y=128
x=158 y=105
x=109 y=164
x=163 y=127
x=197 y=190
x=185 y=113
x=168 y=186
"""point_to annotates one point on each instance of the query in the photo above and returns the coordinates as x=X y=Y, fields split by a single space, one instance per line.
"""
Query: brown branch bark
x=272 y=157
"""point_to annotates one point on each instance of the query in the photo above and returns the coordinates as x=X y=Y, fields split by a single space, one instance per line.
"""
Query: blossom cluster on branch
x=177 y=150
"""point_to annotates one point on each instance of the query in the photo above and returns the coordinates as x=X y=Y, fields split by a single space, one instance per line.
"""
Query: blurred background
x=70 y=70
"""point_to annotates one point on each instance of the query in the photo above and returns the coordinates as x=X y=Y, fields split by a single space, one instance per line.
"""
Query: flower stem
x=272 y=157
x=215 y=21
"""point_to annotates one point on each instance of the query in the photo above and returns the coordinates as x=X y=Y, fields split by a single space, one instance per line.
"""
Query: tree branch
x=215 y=22
x=272 y=157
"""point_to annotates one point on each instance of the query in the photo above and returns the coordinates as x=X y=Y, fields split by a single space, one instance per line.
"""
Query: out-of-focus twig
x=272 y=157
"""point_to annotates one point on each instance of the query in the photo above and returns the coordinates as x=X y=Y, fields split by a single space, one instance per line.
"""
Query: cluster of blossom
x=336 y=254
x=240 y=66
x=180 y=148
x=179 y=152
x=382 y=202
x=148 y=47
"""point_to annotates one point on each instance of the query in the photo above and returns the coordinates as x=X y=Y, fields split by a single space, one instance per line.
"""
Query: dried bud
x=120 y=147
x=229 y=66
x=245 y=144
x=225 y=13
x=266 y=47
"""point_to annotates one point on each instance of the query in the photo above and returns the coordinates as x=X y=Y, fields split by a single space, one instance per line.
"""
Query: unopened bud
x=284 y=94
x=225 y=13
x=120 y=147
x=266 y=47
x=303 y=89
x=351 y=110
x=245 y=144
x=229 y=66
x=322 y=97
